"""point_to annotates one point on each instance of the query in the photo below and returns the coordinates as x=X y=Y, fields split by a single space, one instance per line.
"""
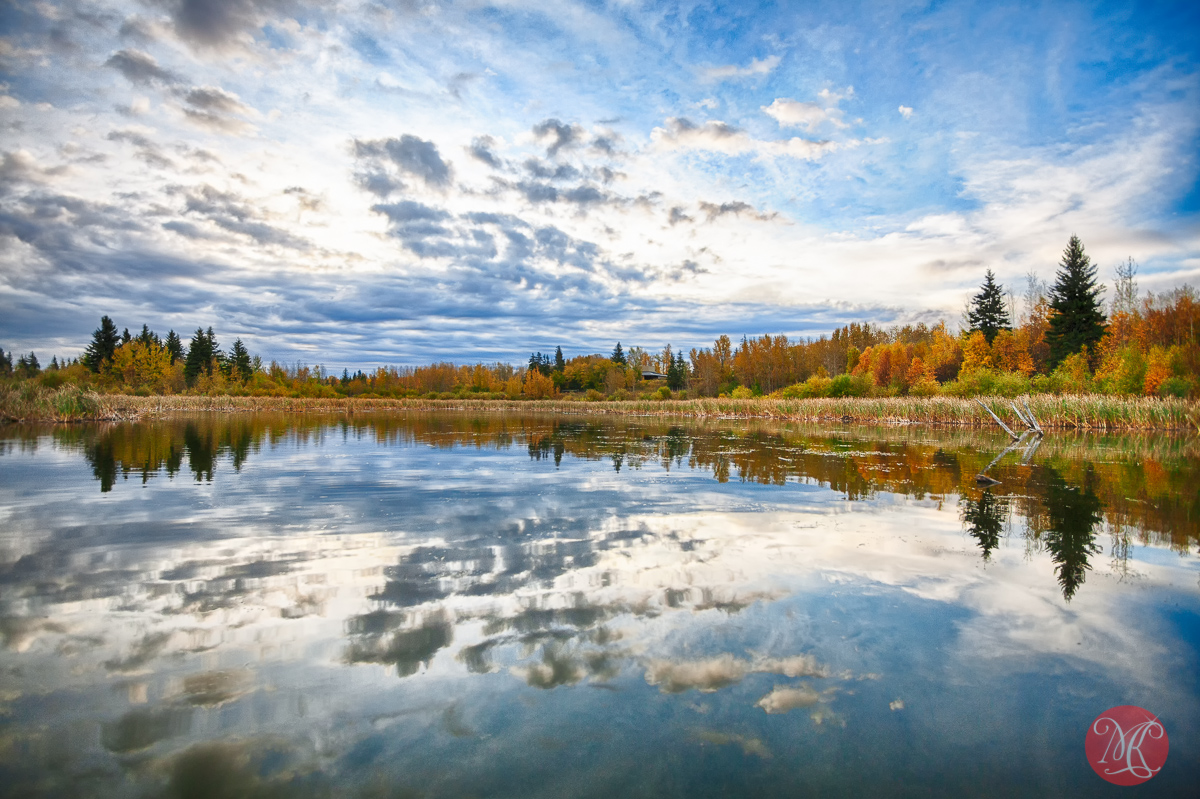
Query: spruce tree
x=618 y=354
x=560 y=363
x=1078 y=320
x=199 y=357
x=125 y=337
x=104 y=343
x=988 y=312
x=239 y=358
x=6 y=364
x=174 y=346
x=677 y=373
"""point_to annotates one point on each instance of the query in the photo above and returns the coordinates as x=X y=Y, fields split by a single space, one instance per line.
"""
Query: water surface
x=494 y=605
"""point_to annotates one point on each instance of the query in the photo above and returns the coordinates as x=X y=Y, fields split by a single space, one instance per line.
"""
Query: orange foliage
x=977 y=353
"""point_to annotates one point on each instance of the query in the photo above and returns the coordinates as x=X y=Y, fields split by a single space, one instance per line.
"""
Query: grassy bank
x=1079 y=412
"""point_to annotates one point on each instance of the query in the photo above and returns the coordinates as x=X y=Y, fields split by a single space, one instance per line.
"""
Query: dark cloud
x=460 y=81
x=141 y=68
x=231 y=212
x=187 y=230
x=379 y=183
x=215 y=99
x=736 y=208
x=481 y=150
x=414 y=156
x=409 y=211
x=584 y=195
x=216 y=23
x=677 y=215
x=714 y=129
x=561 y=136
x=216 y=122
x=541 y=169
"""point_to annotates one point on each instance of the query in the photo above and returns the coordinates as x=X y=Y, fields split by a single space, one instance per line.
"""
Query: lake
x=456 y=604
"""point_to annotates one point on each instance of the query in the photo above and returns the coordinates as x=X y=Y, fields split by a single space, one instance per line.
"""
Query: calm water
x=466 y=605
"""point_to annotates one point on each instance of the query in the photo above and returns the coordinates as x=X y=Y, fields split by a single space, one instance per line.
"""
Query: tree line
x=1062 y=341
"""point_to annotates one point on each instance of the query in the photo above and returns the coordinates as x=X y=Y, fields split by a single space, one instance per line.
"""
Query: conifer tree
x=104 y=343
x=677 y=373
x=6 y=364
x=618 y=354
x=199 y=357
x=239 y=358
x=174 y=346
x=560 y=363
x=125 y=337
x=1077 y=321
x=988 y=312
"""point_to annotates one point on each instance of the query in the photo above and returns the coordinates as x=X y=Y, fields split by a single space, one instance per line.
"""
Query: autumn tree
x=104 y=343
x=1077 y=321
x=989 y=313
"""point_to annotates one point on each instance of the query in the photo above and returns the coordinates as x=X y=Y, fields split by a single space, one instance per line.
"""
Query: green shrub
x=593 y=395
x=663 y=393
x=850 y=386
x=741 y=392
x=1175 y=386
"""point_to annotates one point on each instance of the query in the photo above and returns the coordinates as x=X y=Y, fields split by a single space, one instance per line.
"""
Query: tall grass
x=1095 y=412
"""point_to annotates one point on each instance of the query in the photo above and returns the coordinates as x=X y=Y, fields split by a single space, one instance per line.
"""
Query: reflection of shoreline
x=626 y=581
x=1145 y=483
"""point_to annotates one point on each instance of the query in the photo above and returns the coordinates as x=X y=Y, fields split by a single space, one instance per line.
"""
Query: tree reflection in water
x=1073 y=513
x=984 y=520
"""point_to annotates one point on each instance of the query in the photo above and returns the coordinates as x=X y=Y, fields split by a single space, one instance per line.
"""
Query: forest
x=1059 y=339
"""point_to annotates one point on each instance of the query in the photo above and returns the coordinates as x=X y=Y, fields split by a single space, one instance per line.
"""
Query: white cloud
x=756 y=67
x=906 y=112
x=717 y=136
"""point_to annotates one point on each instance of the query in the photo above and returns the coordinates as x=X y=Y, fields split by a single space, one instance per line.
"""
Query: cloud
x=736 y=208
x=755 y=67
x=706 y=675
x=561 y=136
x=411 y=155
x=481 y=150
x=682 y=134
x=782 y=699
x=212 y=98
x=803 y=115
x=906 y=112
x=235 y=214
x=216 y=23
x=141 y=68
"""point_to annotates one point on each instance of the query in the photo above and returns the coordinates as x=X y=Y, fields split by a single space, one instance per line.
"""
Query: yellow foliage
x=538 y=386
x=136 y=365
x=1158 y=369
x=977 y=353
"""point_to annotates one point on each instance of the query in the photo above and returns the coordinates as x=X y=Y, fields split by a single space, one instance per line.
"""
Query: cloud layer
x=405 y=185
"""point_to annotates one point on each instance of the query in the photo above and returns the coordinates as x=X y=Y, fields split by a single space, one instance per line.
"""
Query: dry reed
x=1079 y=412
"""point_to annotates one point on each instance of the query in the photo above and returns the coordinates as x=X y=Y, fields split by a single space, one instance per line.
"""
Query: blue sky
x=372 y=183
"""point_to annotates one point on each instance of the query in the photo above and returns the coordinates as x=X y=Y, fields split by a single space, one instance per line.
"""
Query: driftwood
x=998 y=420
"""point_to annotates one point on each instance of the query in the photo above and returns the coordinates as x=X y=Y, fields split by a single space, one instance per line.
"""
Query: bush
x=850 y=386
x=741 y=392
x=663 y=393
x=1175 y=386
x=815 y=386
x=593 y=395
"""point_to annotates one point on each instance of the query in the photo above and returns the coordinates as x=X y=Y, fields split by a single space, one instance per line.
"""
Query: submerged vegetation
x=1137 y=368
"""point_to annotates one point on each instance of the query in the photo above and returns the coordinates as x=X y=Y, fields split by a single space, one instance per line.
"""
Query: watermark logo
x=1126 y=745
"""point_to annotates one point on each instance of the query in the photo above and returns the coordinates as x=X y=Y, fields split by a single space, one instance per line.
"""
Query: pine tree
x=104 y=343
x=560 y=363
x=125 y=337
x=6 y=364
x=618 y=354
x=677 y=373
x=988 y=312
x=148 y=337
x=174 y=346
x=239 y=358
x=1077 y=321
x=199 y=357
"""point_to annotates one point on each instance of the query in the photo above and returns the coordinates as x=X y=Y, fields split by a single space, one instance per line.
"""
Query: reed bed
x=1093 y=412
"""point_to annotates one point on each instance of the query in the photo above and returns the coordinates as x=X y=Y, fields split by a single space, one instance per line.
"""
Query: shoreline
x=1094 y=412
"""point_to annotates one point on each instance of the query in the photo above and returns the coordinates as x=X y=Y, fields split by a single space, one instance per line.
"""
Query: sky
x=357 y=184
